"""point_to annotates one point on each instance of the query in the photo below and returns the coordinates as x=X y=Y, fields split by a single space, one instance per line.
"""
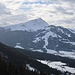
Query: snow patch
x=69 y=35
x=67 y=54
x=38 y=50
x=18 y=46
x=49 y=51
x=62 y=53
x=58 y=65
x=30 y=68
x=37 y=40
x=72 y=43
x=72 y=30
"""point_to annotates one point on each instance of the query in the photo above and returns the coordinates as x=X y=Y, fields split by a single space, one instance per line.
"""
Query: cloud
x=64 y=11
x=3 y=10
x=13 y=20
x=56 y=12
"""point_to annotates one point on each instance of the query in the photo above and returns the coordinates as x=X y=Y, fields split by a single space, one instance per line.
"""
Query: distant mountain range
x=38 y=35
x=37 y=43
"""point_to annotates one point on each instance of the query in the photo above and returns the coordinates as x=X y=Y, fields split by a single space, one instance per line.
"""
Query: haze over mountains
x=38 y=36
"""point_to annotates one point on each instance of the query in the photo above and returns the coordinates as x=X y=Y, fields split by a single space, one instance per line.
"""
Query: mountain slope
x=15 y=58
x=32 y=25
x=35 y=60
x=37 y=35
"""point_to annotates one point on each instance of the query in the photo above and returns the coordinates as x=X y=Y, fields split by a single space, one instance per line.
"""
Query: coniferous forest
x=13 y=62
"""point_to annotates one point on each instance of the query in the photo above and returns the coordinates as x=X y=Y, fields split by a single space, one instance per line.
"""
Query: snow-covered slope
x=31 y=25
x=58 y=65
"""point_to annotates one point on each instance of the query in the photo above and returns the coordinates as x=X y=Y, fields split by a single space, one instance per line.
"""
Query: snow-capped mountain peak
x=31 y=25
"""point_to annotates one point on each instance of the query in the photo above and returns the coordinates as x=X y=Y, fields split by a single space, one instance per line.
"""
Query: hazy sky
x=55 y=12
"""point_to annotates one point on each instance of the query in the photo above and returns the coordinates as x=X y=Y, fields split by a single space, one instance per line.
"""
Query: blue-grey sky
x=55 y=12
